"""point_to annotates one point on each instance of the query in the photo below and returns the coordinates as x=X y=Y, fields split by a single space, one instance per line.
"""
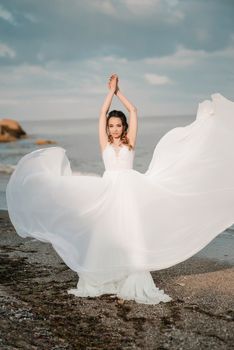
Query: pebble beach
x=38 y=313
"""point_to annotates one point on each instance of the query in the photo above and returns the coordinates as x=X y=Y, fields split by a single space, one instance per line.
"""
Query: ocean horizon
x=77 y=135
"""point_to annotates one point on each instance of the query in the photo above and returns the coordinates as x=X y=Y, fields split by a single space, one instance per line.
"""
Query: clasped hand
x=113 y=83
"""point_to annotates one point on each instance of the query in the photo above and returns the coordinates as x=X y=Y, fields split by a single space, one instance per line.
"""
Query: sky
x=56 y=56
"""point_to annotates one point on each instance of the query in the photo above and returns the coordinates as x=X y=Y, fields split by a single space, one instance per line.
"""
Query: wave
x=7 y=168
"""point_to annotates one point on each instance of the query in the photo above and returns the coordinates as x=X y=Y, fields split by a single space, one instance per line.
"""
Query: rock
x=7 y=138
x=120 y=301
x=180 y=284
x=10 y=130
x=44 y=142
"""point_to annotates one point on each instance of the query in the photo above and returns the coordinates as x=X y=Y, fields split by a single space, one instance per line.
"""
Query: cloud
x=184 y=57
x=140 y=8
x=6 y=15
x=104 y=6
x=131 y=10
x=166 y=11
x=31 y=17
x=114 y=59
x=6 y=51
x=60 y=54
x=22 y=75
x=87 y=29
x=155 y=79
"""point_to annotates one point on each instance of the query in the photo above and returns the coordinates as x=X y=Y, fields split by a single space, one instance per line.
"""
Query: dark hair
x=122 y=116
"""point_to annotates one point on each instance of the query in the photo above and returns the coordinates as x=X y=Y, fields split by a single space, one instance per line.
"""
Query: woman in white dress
x=113 y=230
x=115 y=133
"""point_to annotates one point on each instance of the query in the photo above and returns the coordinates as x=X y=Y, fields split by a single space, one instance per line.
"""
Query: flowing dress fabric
x=113 y=230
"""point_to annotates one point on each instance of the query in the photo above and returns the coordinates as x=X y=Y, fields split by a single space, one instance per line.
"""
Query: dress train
x=137 y=286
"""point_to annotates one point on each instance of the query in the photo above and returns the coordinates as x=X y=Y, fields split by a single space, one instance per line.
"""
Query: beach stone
x=10 y=130
x=44 y=142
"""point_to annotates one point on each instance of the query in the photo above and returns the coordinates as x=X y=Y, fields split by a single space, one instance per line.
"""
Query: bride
x=115 y=229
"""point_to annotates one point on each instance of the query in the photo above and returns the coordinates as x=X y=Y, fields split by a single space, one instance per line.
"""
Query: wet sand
x=37 y=313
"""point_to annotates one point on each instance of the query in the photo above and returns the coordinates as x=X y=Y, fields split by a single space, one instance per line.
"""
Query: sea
x=79 y=137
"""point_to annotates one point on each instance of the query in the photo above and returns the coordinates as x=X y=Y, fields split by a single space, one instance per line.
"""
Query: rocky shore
x=11 y=131
x=37 y=313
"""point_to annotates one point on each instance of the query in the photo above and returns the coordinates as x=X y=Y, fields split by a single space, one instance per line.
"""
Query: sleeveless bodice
x=117 y=158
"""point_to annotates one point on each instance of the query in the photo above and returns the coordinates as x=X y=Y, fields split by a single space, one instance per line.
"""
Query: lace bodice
x=117 y=158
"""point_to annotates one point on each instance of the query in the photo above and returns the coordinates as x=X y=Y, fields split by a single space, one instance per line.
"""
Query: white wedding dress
x=113 y=230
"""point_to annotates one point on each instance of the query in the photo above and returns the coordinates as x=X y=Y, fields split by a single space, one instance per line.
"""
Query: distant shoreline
x=189 y=115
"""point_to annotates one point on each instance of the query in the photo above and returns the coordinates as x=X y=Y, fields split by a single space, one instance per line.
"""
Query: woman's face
x=115 y=127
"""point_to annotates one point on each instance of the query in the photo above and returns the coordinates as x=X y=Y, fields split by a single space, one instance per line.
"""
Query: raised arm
x=133 y=122
x=103 y=138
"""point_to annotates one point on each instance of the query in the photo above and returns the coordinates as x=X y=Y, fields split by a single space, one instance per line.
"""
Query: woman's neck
x=117 y=142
